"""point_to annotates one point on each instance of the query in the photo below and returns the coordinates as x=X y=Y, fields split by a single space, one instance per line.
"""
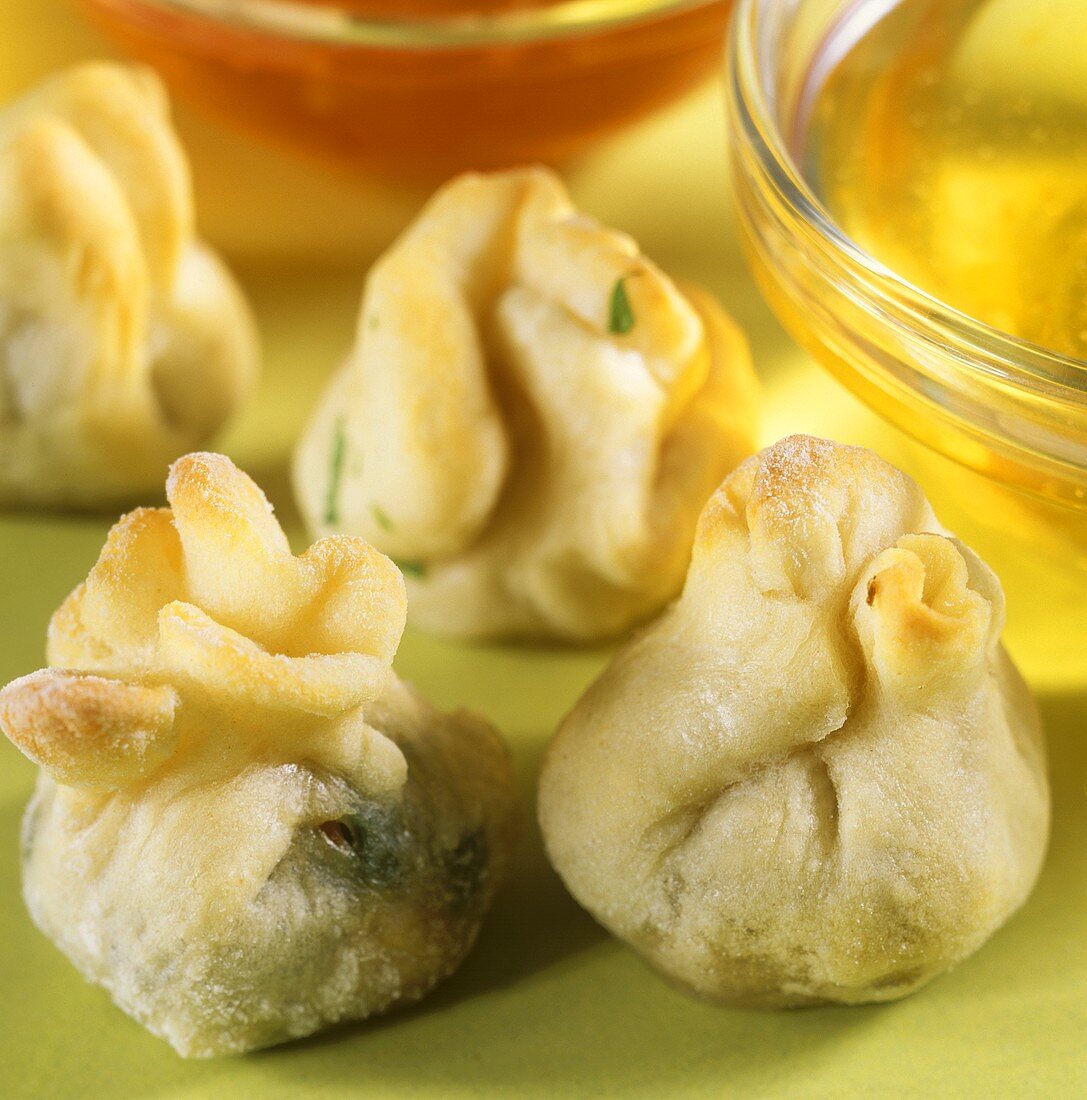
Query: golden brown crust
x=922 y=620
x=795 y=501
x=126 y=342
x=110 y=621
x=87 y=731
x=59 y=193
x=340 y=595
x=207 y=596
x=120 y=115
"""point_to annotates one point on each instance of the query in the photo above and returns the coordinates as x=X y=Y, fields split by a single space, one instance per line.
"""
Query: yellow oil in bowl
x=951 y=142
x=911 y=181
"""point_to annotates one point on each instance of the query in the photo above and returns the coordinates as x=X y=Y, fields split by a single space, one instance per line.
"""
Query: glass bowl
x=994 y=428
x=997 y=404
x=421 y=88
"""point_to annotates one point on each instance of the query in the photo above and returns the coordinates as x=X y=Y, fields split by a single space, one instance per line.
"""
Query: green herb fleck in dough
x=620 y=315
x=339 y=449
x=416 y=569
x=372 y=322
x=381 y=517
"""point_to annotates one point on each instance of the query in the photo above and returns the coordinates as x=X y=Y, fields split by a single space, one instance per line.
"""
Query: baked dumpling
x=247 y=827
x=818 y=777
x=124 y=342
x=531 y=419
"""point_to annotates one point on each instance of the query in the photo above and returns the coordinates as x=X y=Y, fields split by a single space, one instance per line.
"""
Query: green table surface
x=547 y=1004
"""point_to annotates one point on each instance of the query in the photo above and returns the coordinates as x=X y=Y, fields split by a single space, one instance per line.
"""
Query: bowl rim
x=1028 y=364
x=332 y=24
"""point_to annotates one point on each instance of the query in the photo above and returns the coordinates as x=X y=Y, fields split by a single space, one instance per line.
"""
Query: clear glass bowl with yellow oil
x=911 y=183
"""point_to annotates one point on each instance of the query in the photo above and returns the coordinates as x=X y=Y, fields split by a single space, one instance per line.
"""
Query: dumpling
x=124 y=342
x=247 y=827
x=818 y=777
x=531 y=419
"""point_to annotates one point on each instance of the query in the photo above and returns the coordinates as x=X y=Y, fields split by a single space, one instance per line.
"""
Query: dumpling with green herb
x=531 y=418
x=247 y=827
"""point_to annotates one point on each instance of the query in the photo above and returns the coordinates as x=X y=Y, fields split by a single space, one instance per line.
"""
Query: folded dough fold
x=123 y=340
x=247 y=827
x=531 y=418
x=818 y=777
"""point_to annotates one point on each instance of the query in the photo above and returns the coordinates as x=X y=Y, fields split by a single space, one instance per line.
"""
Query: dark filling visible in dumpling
x=394 y=849
x=374 y=839
x=465 y=868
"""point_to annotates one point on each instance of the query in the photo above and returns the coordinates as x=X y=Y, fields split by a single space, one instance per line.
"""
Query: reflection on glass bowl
x=999 y=404
x=1002 y=421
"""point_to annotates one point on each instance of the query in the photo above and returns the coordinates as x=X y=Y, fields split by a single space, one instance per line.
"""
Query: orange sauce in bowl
x=417 y=8
x=406 y=105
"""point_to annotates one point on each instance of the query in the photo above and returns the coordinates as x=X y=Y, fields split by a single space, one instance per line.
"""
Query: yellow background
x=547 y=1004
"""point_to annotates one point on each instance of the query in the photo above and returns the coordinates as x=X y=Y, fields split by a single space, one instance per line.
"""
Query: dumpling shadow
x=596 y=1022
x=531 y=928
